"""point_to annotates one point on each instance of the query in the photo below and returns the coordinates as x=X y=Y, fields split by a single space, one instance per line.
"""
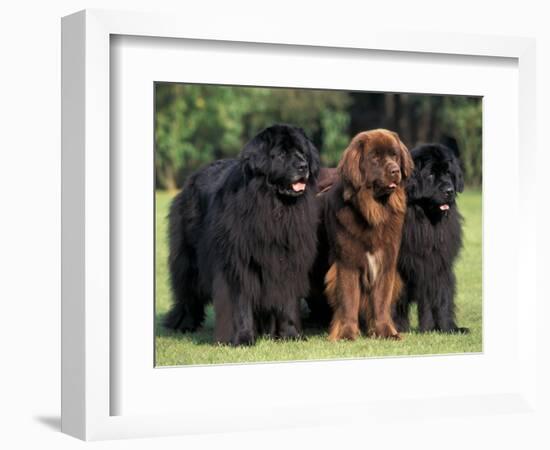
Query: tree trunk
x=423 y=130
x=402 y=115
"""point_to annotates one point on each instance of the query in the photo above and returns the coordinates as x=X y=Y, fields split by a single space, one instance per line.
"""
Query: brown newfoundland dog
x=360 y=235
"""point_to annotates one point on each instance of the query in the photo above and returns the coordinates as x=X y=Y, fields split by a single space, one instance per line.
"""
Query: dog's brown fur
x=363 y=218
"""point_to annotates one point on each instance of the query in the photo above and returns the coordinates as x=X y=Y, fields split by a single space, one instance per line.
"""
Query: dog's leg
x=234 y=316
x=401 y=305
x=426 y=320
x=268 y=326
x=344 y=293
x=401 y=313
x=425 y=296
x=188 y=310
x=289 y=322
x=223 y=311
x=444 y=308
x=243 y=320
x=381 y=301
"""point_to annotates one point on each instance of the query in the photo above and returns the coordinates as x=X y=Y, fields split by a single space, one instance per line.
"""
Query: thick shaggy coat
x=432 y=238
x=242 y=234
x=363 y=214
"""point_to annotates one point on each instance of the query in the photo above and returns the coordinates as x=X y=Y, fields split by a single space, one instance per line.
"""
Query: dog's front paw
x=385 y=330
x=243 y=338
x=461 y=330
x=290 y=333
x=288 y=329
x=402 y=325
x=345 y=331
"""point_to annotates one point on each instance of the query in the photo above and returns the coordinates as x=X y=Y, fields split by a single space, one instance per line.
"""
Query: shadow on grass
x=205 y=334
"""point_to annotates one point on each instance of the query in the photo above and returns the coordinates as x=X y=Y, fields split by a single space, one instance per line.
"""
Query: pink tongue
x=444 y=207
x=392 y=186
x=298 y=187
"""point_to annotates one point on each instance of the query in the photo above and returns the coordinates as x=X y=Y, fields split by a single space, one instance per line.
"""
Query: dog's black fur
x=432 y=239
x=242 y=234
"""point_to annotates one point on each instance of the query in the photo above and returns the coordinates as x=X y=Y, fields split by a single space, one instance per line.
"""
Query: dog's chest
x=372 y=267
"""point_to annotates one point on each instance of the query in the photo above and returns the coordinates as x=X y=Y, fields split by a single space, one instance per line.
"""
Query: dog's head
x=375 y=160
x=284 y=157
x=437 y=177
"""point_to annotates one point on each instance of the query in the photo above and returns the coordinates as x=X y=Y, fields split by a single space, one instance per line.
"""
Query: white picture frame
x=88 y=331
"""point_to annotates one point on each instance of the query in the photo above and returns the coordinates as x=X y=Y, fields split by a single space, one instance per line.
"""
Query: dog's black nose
x=449 y=191
x=301 y=166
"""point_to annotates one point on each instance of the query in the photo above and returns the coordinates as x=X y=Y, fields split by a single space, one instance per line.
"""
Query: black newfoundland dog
x=432 y=239
x=242 y=234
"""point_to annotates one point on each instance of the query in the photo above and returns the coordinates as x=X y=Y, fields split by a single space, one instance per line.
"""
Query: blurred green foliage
x=196 y=124
x=461 y=117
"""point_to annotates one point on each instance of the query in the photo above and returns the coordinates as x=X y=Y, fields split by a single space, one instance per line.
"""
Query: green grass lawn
x=198 y=348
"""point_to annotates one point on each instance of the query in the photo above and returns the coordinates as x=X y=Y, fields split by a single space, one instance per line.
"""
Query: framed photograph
x=154 y=341
x=200 y=127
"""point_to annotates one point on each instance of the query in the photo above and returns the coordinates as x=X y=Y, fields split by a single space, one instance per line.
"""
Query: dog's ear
x=458 y=169
x=452 y=144
x=407 y=164
x=459 y=181
x=350 y=167
x=255 y=154
x=313 y=160
x=312 y=155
